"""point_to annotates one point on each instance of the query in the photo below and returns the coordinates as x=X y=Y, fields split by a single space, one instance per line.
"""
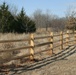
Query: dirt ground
x=62 y=63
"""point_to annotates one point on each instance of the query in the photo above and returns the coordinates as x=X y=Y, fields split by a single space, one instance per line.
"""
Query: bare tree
x=47 y=20
x=42 y=20
x=58 y=24
x=71 y=18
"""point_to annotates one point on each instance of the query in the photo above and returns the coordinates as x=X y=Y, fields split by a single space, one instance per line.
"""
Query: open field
x=60 y=63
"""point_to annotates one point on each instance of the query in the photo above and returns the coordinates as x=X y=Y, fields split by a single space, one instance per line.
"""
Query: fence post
x=67 y=37
x=51 y=40
x=32 y=48
x=75 y=37
x=61 y=40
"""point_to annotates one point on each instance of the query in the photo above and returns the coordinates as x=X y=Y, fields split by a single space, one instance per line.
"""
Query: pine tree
x=20 y=23
x=6 y=19
x=25 y=24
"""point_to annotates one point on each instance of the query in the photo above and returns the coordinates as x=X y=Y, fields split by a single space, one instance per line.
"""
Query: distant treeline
x=47 y=20
x=11 y=21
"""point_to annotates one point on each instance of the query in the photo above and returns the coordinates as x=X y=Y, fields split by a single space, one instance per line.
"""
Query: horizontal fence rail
x=20 y=40
x=42 y=37
x=15 y=49
x=62 y=40
x=43 y=44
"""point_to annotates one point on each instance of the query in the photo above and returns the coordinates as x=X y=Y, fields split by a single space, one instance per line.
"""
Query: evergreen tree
x=20 y=23
x=6 y=19
x=25 y=24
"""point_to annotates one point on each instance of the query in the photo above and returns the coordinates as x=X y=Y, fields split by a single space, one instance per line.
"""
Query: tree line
x=15 y=23
x=54 y=22
x=21 y=23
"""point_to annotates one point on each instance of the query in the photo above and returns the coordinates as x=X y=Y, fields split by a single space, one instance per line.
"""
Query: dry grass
x=45 y=70
x=11 y=45
x=12 y=36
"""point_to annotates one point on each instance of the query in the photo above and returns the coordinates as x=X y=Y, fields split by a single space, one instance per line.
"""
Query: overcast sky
x=57 y=7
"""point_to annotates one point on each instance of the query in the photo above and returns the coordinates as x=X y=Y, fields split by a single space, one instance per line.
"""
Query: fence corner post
x=32 y=46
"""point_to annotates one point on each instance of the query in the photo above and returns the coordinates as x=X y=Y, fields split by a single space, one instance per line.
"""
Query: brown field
x=61 y=63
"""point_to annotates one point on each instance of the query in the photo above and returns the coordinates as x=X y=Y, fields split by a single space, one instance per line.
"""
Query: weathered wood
x=7 y=41
x=44 y=37
x=67 y=37
x=15 y=49
x=61 y=40
x=51 y=45
x=43 y=44
x=32 y=44
x=74 y=37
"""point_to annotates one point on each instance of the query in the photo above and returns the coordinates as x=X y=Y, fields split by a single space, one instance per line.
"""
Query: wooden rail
x=20 y=40
x=63 y=39
x=15 y=49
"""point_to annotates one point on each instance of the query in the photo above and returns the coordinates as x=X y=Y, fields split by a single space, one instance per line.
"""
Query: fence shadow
x=59 y=56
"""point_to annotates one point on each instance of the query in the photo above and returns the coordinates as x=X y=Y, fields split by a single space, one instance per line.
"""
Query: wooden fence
x=65 y=38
